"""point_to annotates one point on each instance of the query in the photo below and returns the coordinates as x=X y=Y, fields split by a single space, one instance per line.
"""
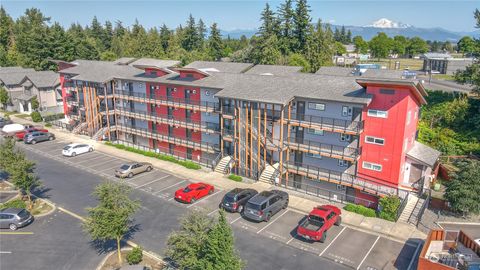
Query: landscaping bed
x=111 y=262
x=39 y=208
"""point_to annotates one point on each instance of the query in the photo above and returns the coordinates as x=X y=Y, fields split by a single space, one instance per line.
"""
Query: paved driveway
x=70 y=181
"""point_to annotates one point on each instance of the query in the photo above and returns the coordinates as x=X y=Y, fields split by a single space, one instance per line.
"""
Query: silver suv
x=14 y=218
x=264 y=205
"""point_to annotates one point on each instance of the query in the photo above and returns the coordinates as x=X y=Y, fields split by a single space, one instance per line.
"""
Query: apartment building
x=335 y=131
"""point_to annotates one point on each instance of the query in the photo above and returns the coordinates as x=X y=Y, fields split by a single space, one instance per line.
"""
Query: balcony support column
x=221 y=127
x=288 y=138
x=265 y=134
x=251 y=137
x=281 y=142
x=258 y=137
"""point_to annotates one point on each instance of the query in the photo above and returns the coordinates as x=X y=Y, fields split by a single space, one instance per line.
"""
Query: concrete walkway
x=298 y=201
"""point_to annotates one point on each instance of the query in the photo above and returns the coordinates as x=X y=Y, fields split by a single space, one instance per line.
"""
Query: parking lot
x=344 y=245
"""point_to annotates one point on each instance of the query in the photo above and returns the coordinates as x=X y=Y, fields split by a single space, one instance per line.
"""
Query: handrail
x=327 y=122
x=401 y=207
x=196 y=123
x=323 y=148
x=153 y=97
x=424 y=206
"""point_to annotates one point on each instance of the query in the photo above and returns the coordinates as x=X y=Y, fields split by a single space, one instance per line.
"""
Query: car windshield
x=124 y=167
x=253 y=206
x=66 y=147
x=187 y=189
x=23 y=214
x=316 y=220
x=229 y=198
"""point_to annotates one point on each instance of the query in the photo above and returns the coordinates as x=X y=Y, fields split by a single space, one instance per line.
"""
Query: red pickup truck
x=315 y=226
x=19 y=135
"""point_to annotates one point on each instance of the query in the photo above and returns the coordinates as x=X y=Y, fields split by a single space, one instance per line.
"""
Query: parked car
x=4 y=122
x=11 y=129
x=315 y=226
x=235 y=199
x=21 y=134
x=14 y=218
x=38 y=136
x=265 y=204
x=193 y=192
x=74 y=149
x=131 y=169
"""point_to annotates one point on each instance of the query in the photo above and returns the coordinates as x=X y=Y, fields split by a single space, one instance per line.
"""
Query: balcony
x=326 y=123
x=327 y=150
x=170 y=120
x=340 y=178
x=205 y=147
x=228 y=134
x=204 y=106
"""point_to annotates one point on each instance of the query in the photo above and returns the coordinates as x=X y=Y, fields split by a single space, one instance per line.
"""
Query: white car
x=74 y=149
x=477 y=241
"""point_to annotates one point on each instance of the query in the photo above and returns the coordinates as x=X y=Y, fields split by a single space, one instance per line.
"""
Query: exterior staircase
x=417 y=212
x=99 y=134
x=269 y=173
x=409 y=208
x=78 y=129
x=224 y=165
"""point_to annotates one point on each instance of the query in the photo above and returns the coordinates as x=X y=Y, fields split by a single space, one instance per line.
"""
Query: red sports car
x=19 y=135
x=193 y=192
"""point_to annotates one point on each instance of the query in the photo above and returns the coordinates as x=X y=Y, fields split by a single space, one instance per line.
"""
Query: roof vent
x=409 y=74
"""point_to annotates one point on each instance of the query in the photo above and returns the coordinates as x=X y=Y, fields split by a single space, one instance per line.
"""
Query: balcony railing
x=169 y=119
x=170 y=101
x=341 y=178
x=323 y=149
x=326 y=123
x=153 y=134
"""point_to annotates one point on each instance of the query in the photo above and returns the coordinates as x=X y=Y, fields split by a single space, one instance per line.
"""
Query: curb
x=458 y=223
x=54 y=207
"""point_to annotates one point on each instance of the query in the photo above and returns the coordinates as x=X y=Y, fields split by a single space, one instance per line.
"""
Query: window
x=409 y=116
x=387 y=91
x=342 y=163
x=189 y=75
x=331 y=215
x=207 y=93
x=374 y=140
x=345 y=137
x=346 y=111
x=377 y=113
x=372 y=166
x=314 y=155
x=315 y=131
x=316 y=106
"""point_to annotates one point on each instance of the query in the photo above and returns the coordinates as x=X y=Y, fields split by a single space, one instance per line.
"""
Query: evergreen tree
x=337 y=36
x=463 y=189
x=190 y=35
x=266 y=51
x=301 y=22
x=349 y=37
x=285 y=20
x=269 y=23
x=343 y=35
x=215 y=43
x=6 y=28
x=320 y=47
x=202 y=30
x=165 y=35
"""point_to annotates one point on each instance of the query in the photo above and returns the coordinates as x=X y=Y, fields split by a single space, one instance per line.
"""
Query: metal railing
x=171 y=101
x=402 y=206
x=62 y=125
x=326 y=123
x=424 y=207
x=169 y=119
x=329 y=150
x=153 y=134
x=341 y=178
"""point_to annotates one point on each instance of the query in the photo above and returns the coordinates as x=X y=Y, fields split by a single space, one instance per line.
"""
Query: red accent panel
x=196 y=75
x=196 y=154
x=360 y=198
x=155 y=71
x=64 y=94
x=196 y=136
x=180 y=151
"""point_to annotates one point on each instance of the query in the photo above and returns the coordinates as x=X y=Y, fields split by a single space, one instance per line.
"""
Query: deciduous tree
x=463 y=189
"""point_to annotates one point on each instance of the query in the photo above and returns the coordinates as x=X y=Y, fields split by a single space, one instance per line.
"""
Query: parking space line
x=101 y=163
x=82 y=161
x=233 y=221
x=153 y=181
x=273 y=221
x=5 y=252
x=368 y=253
x=111 y=168
x=15 y=233
x=139 y=175
x=206 y=197
x=214 y=211
x=288 y=242
x=169 y=187
x=333 y=241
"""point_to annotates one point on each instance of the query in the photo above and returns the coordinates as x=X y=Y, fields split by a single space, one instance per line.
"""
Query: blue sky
x=451 y=15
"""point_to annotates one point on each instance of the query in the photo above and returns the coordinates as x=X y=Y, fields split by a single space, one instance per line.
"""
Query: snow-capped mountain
x=386 y=23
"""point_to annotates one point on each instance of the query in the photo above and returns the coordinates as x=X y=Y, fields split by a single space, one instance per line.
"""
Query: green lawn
x=411 y=64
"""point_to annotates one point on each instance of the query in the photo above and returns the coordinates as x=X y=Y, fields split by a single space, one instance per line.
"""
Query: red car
x=19 y=135
x=193 y=192
x=315 y=226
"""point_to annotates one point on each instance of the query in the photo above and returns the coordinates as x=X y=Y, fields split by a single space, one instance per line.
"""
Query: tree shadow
x=106 y=246
x=42 y=192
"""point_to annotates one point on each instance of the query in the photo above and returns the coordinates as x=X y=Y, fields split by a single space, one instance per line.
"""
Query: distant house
x=444 y=63
x=23 y=84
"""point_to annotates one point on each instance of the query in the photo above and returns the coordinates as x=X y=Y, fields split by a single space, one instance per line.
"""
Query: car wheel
x=240 y=209
x=324 y=237
x=267 y=217
x=90 y=149
x=210 y=191
x=338 y=221
x=130 y=175
x=34 y=142
x=74 y=154
x=149 y=168
x=285 y=205
x=193 y=200
x=50 y=138
x=13 y=227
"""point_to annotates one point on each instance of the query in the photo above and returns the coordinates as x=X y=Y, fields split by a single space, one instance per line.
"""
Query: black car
x=4 y=121
x=235 y=199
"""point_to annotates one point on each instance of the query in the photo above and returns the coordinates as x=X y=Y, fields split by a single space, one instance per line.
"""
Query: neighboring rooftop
x=124 y=60
x=154 y=63
x=274 y=70
x=424 y=154
x=226 y=67
x=434 y=55
x=335 y=71
x=44 y=79
x=100 y=71
x=14 y=75
x=4 y=70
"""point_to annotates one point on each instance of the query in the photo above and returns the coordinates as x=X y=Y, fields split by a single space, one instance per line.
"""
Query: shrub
x=135 y=256
x=48 y=125
x=235 y=177
x=36 y=117
x=360 y=209
x=17 y=203
x=389 y=206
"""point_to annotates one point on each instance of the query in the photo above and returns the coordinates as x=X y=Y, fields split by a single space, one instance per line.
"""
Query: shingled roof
x=43 y=79
x=213 y=67
x=14 y=75
x=274 y=70
x=424 y=154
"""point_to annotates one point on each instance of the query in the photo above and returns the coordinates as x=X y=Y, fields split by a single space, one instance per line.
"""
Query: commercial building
x=336 y=132
x=23 y=84
x=444 y=63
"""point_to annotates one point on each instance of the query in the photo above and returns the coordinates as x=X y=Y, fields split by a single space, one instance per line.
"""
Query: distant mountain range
x=391 y=28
